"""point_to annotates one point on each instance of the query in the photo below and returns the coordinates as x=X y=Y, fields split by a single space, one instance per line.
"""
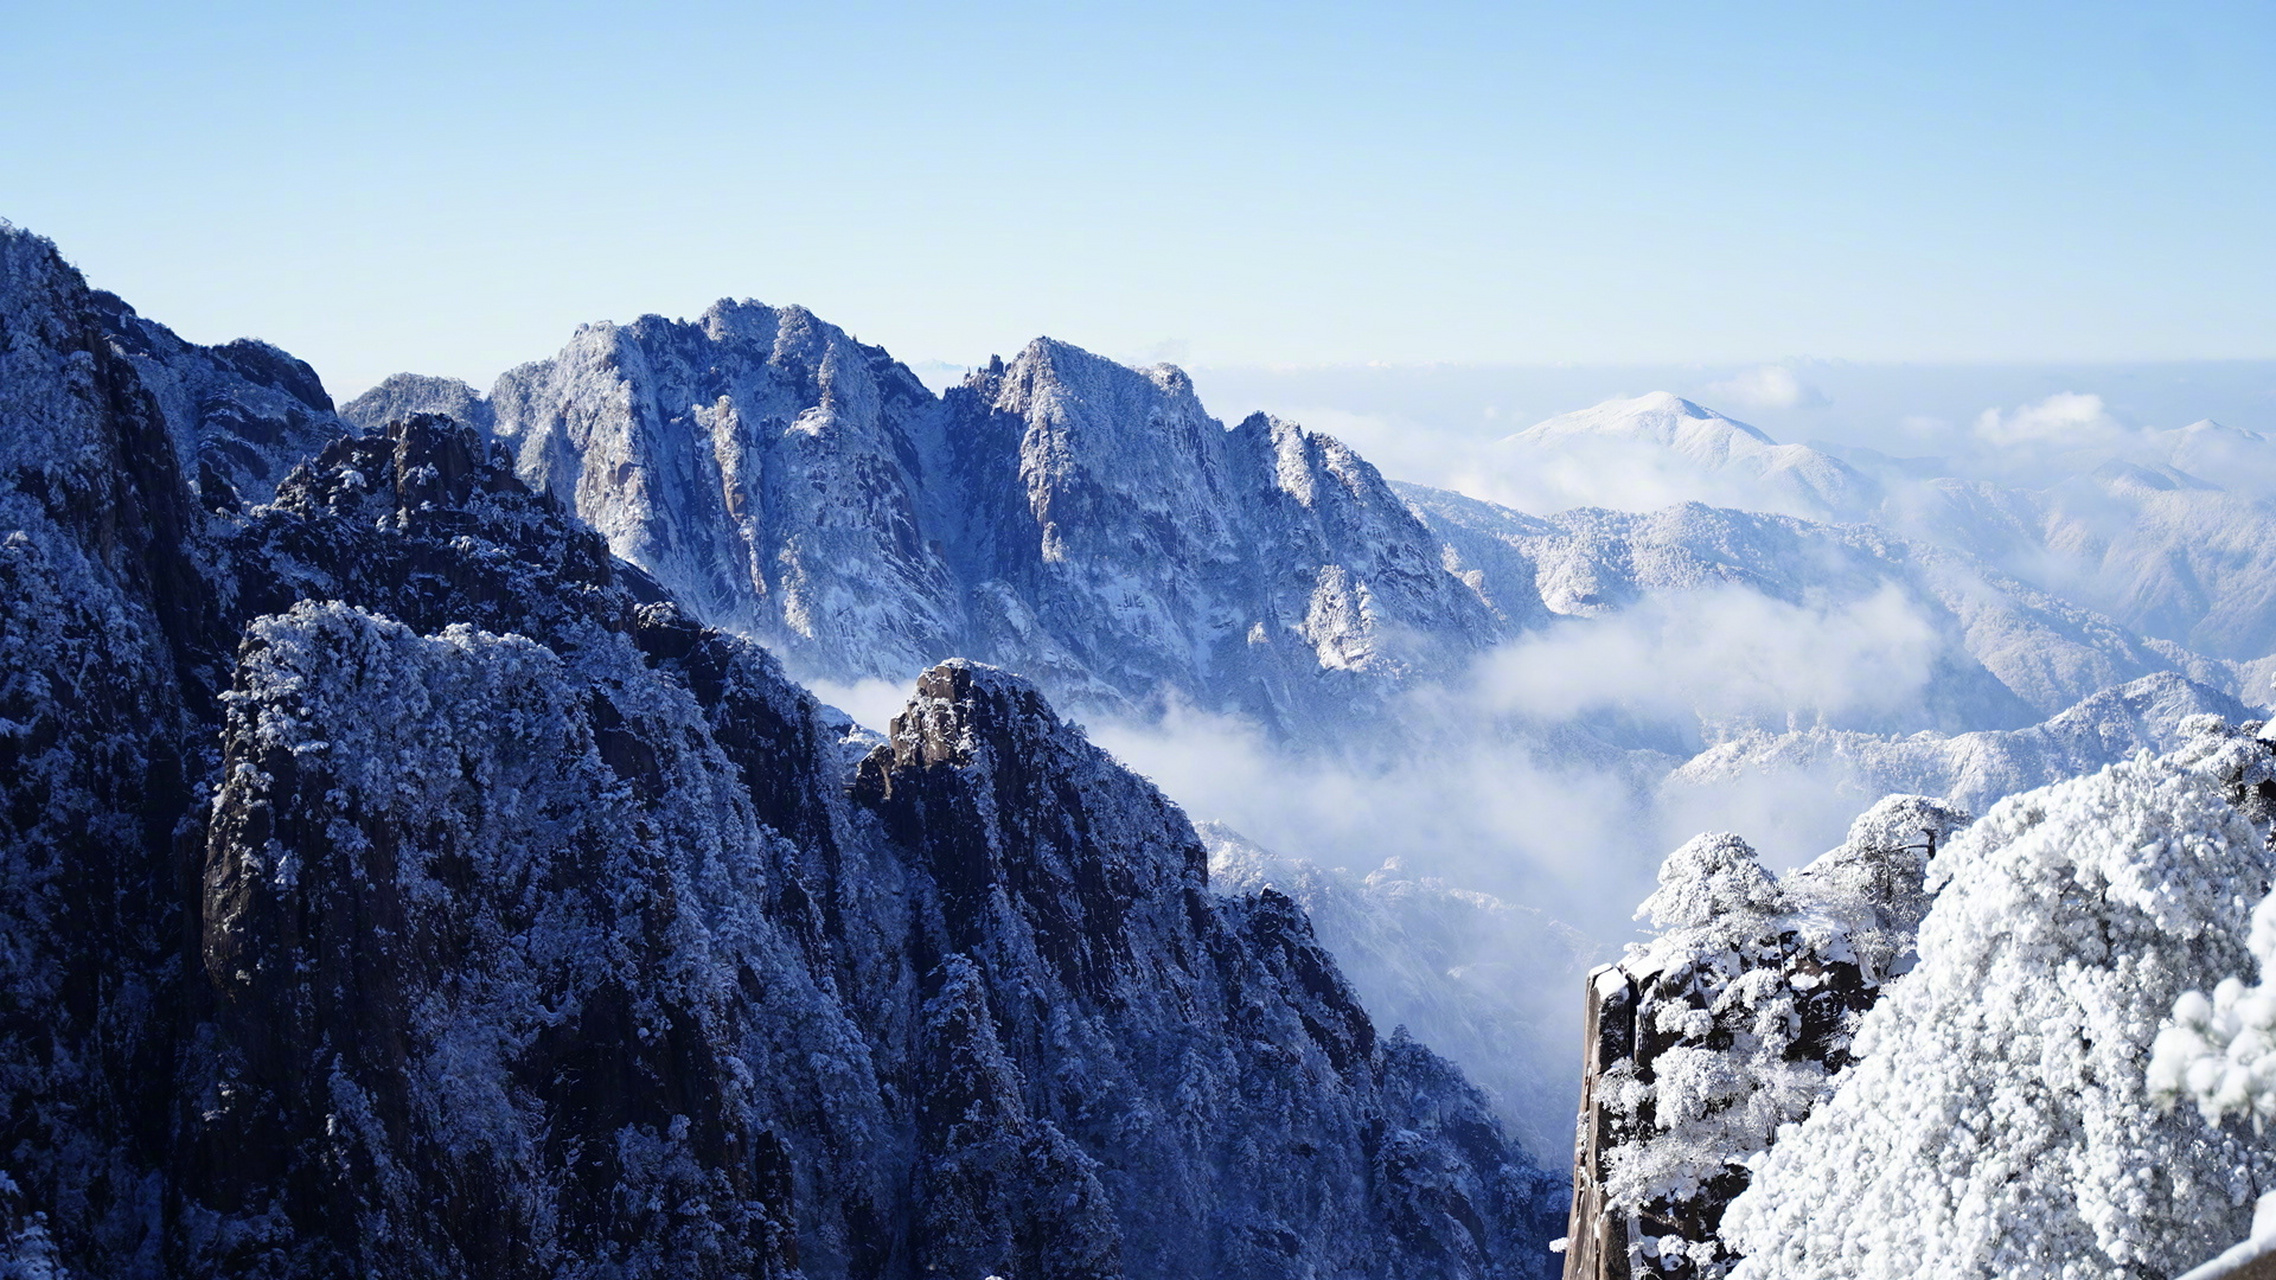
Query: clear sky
x=452 y=187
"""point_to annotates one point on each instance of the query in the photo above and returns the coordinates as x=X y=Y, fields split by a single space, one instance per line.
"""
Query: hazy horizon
x=451 y=188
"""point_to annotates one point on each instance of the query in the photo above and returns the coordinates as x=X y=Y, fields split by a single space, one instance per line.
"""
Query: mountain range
x=1091 y=526
x=437 y=774
x=397 y=883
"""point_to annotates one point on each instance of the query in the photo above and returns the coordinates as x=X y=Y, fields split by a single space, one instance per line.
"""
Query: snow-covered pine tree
x=1744 y=1005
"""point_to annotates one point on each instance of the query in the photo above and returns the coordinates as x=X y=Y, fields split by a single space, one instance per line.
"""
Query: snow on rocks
x=1728 y=1024
x=395 y=882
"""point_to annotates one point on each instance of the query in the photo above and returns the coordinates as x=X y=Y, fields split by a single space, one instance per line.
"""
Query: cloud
x=1514 y=779
x=1767 y=387
x=1724 y=654
x=1503 y=781
x=1480 y=809
x=871 y=703
x=2068 y=419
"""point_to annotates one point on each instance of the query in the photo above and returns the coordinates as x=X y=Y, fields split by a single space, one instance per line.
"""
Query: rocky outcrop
x=759 y=462
x=398 y=884
x=1073 y=899
x=1698 y=1046
x=242 y=414
x=1111 y=533
x=1086 y=524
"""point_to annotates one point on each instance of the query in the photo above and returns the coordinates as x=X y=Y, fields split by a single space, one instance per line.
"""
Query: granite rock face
x=1086 y=524
x=396 y=883
x=242 y=414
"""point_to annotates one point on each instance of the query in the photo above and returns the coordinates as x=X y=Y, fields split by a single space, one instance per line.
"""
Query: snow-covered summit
x=1085 y=523
x=1660 y=417
x=1651 y=450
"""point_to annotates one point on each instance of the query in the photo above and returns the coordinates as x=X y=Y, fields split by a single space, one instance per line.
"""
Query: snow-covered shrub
x=1744 y=1006
x=1997 y=1121
x=2220 y=1052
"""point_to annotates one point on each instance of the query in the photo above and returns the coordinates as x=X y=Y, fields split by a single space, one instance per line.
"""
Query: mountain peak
x=1050 y=374
x=1660 y=417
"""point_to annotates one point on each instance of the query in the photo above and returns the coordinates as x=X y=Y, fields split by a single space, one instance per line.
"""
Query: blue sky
x=453 y=187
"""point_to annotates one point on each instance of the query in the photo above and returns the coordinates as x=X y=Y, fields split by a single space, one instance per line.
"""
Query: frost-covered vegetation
x=2000 y=1120
x=1743 y=1006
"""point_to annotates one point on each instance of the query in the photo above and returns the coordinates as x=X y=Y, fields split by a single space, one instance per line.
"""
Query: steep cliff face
x=1073 y=897
x=761 y=463
x=1111 y=532
x=104 y=626
x=1084 y=523
x=397 y=884
x=242 y=414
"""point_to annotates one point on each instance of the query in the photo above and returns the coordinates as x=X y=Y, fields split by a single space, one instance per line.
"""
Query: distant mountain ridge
x=1059 y=514
x=2168 y=532
x=1091 y=525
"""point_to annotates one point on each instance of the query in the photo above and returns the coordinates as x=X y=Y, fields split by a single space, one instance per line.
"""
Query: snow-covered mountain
x=1062 y=515
x=1093 y=527
x=397 y=883
x=1994 y=651
x=2166 y=532
x=2167 y=552
x=1732 y=1022
x=1654 y=450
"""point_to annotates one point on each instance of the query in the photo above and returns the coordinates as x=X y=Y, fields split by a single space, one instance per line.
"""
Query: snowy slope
x=1101 y=517
x=1733 y=1021
x=1998 y=1121
x=760 y=463
x=2169 y=553
x=1658 y=449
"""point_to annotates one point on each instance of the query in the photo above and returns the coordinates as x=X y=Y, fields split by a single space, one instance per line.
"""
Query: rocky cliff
x=397 y=883
x=1698 y=1046
x=1087 y=524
